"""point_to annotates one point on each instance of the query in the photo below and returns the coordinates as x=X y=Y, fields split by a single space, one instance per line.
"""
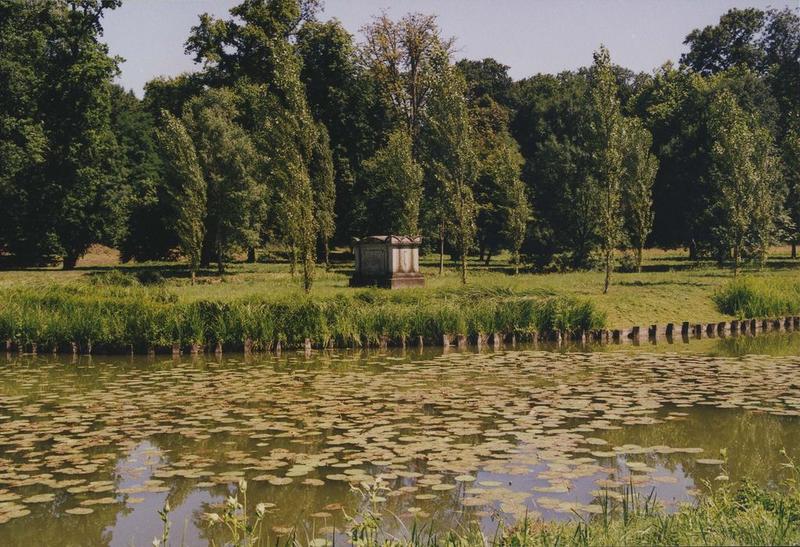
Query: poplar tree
x=322 y=179
x=607 y=145
x=454 y=161
x=641 y=167
x=187 y=188
x=518 y=216
x=227 y=159
x=743 y=174
x=395 y=186
x=791 y=163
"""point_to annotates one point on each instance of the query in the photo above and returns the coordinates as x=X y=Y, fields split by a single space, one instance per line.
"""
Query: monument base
x=395 y=281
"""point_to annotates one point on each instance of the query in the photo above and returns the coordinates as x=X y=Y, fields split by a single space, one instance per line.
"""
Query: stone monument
x=387 y=261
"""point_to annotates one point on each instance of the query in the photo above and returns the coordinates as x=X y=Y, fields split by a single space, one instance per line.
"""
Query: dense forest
x=293 y=135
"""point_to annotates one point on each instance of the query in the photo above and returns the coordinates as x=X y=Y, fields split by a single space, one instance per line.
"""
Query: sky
x=530 y=36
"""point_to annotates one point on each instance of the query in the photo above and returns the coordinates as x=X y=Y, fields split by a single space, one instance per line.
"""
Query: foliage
x=58 y=153
x=453 y=161
x=402 y=57
x=324 y=189
x=743 y=170
x=225 y=157
x=607 y=146
x=396 y=187
x=640 y=173
x=188 y=188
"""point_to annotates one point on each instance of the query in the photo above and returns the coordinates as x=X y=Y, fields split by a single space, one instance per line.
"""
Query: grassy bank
x=103 y=303
x=671 y=288
x=114 y=314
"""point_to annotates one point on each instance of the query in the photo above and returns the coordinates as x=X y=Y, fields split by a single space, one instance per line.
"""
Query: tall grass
x=116 y=317
x=759 y=297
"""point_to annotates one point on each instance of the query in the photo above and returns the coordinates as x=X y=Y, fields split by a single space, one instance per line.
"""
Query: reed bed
x=759 y=297
x=127 y=317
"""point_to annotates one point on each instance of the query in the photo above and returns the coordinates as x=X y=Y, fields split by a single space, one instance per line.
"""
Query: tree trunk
x=735 y=261
x=463 y=264
x=794 y=249
x=194 y=275
x=516 y=262
x=70 y=261
x=251 y=255
x=293 y=265
x=488 y=258
x=220 y=263
x=326 y=251
x=608 y=271
x=692 y=250
x=639 y=259
x=441 y=249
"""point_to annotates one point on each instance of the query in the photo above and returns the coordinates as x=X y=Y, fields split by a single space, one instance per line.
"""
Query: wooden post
x=685 y=328
x=446 y=340
x=461 y=341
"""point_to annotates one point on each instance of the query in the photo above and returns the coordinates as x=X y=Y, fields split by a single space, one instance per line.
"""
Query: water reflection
x=456 y=438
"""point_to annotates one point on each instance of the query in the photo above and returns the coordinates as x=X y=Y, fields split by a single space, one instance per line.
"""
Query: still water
x=91 y=450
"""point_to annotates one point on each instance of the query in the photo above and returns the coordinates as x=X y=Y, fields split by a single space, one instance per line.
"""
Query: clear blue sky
x=530 y=36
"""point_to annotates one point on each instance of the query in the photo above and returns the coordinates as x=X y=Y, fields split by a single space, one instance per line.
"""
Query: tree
x=226 y=158
x=550 y=123
x=641 y=167
x=396 y=186
x=344 y=98
x=518 y=214
x=400 y=55
x=791 y=162
x=503 y=208
x=60 y=157
x=487 y=77
x=253 y=52
x=743 y=172
x=321 y=169
x=607 y=145
x=145 y=228
x=453 y=161
x=730 y=43
x=188 y=188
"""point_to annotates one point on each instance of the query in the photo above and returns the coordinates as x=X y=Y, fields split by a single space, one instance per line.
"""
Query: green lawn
x=670 y=289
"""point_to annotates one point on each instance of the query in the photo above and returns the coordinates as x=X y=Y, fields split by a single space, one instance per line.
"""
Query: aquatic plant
x=133 y=318
x=754 y=298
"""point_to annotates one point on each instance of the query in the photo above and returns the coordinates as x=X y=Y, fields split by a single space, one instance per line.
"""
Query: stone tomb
x=387 y=261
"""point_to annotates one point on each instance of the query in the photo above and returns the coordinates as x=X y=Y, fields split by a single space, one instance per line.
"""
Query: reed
x=754 y=297
x=115 y=318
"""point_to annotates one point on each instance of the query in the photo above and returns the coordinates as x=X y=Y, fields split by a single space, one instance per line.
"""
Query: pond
x=90 y=450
